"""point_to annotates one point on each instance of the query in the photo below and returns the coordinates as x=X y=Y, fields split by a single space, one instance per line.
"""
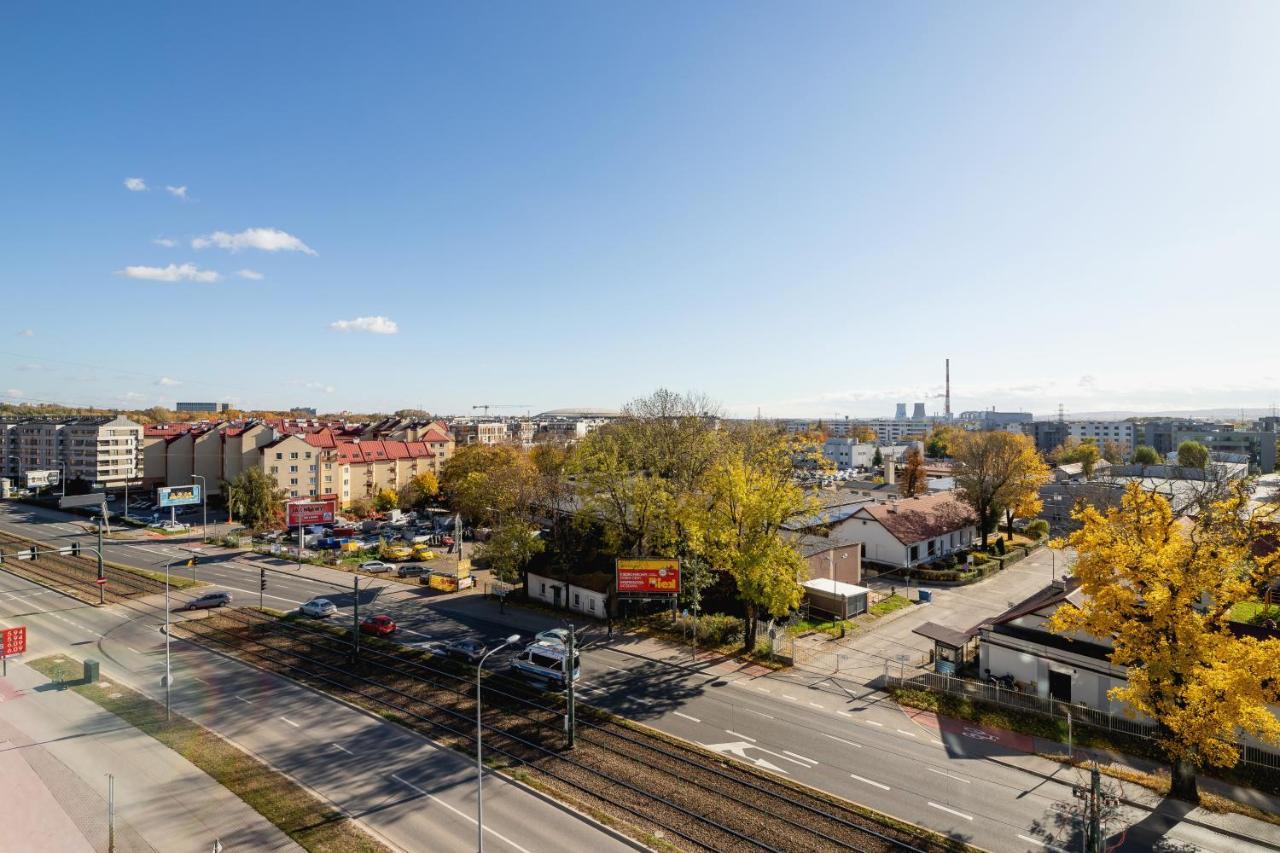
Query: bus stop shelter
x=951 y=648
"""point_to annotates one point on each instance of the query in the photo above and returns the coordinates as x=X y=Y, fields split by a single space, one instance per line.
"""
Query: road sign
x=309 y=512
x=648 y=574
x=100 y=581
x=95 y=499
x=13 y=641
x=167 y=496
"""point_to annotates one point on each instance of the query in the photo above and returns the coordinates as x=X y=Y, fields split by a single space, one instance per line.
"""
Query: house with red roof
x=909 y=532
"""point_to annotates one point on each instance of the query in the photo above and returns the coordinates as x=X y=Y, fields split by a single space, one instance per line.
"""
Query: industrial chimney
x=901 y=413
x=947 y=410
x=890 y=470
x=917 y=413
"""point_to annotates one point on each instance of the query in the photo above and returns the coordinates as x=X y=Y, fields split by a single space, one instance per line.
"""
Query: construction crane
x=488 y=406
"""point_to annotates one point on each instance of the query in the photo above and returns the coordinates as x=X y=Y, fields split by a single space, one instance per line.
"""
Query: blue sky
x=796 y=208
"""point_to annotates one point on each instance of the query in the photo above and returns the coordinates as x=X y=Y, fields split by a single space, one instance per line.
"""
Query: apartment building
x=103 y=450
x=1100 y=432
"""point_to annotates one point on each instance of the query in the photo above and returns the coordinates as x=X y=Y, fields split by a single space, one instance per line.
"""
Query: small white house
x=910 y=531
x=558 y=593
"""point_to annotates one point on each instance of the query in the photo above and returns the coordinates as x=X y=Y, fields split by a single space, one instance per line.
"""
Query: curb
x=547 y=798
x=1230 y=833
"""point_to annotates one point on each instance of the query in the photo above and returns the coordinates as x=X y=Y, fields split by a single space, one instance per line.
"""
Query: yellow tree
x=1162 y=591
x=1021 y=496
x=911 y=481
x=994 y=471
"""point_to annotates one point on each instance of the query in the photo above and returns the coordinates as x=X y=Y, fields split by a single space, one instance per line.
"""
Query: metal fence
x=1050 y=707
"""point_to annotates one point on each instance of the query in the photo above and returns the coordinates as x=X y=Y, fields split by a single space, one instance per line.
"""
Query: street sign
x=100 y=581
x=167 y=496
x=648 y=574
x=13 y=641
x=309 y=512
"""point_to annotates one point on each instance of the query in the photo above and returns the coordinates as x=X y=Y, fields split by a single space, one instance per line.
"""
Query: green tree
x=940 y=441
x=1144 y=455
x=511 y=545
x=877 y=458
x=487 y=482
x=254 y=499
x=1074 y=450
x=1193 y=454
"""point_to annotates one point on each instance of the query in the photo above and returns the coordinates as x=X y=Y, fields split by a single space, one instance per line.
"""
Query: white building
x=102 y=450
x=911 y=531
x=846 y=453
x=560 y=594
x=1121 y=432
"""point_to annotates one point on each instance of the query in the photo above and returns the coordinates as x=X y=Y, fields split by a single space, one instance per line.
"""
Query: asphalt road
x=833 y=734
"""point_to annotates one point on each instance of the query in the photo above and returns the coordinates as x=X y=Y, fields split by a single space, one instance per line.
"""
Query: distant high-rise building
x=207 y=408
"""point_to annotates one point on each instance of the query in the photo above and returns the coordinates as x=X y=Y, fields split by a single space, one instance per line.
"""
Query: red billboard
x=13 y=641
x=648 y=574
x=309 y=512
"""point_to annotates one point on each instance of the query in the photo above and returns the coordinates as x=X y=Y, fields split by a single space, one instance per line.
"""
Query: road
x=400 y=784
x=837 y=735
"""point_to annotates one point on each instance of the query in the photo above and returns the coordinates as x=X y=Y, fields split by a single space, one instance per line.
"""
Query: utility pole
x=569 y=721
x=355 y=620
x=111 y=813
x=102 y=587
x=1094 y=802
x=262 y=585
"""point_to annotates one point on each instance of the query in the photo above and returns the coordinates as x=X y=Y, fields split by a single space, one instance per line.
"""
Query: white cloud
x=132 y=396
x=166 y=382
x=252 y=275
x=266 y=239
x=30 y=367
x=167 y=242
x=320 y=386
x=177 y=192
x=14 y=392
x=173 y=272
x=136 y=185
x=1088 y=382
x=27 y=333
x=373 y=325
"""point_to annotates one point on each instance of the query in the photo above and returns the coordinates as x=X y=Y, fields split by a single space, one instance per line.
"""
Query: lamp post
x=204 y=505
x=168 y=671
x=514 y=638
x=62 y=479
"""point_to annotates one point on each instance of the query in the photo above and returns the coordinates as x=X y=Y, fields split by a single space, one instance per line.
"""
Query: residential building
x=991 y=420
x=1047 y=435
x=294 y=464
x=1258 y=445
x=1100 y=432
x=912 y=531
x=847 y=453
x=101 y=450
x=202 y=408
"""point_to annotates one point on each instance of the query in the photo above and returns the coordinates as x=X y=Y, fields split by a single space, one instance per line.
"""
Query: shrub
x=1000 y=547
x=714 y=629
x=1038 y=529
x=980 y=558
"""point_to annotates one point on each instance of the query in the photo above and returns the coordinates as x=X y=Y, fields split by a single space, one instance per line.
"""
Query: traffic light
x=75 y=548
x=262 y=579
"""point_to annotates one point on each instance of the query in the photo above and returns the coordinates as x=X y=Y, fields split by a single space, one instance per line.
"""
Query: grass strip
x=176 y=581
x=304 y=817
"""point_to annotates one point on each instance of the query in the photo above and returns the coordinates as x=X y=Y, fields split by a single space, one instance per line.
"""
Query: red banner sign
x=648 y=574
x=14 y=640
x=309 y=512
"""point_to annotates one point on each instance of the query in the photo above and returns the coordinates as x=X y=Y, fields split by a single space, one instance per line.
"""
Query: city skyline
x=328 y=210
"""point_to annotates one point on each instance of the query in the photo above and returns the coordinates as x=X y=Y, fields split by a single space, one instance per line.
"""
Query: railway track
x=666 y=789
x=76 y=576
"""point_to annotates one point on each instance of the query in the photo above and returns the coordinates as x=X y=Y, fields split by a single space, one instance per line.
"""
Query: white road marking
x=761 y=713
x=461 y=813
x=814 y=705
x=869 y=782
x=197 y=678
x=951 y=811
x=949 y=776
x=844 y=713
x=291 y=722
x=244 y=700
x=340 y=748
x=842 y=740
x=744 y=737
x=686 y=716
x=764 y=689
x=792 y=698
x=799 y=756
x=872 y=723
x=410 y=784
x=132 y=649
x=907 y=733
x=1046 y=845
x=614 y=668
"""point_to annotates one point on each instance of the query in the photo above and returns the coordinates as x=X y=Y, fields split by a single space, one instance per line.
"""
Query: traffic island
x=311 y=822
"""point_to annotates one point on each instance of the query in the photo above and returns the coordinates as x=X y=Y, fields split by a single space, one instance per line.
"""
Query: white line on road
x=814 y=705
x=951 y=811
x=132 y=649
x=686 y=716
x=744 y=737
x=869 y=782
x=197 y=678
x=410 y=784
x=842 y=740
x=907 y=733
x=872 y=723
x=244 y=700
x=799 y=756
x=765 y=690
x=949 y=776
x=1046 y=845
x=792 y=698
x=291 y=722
x=844 y=713
x=341 y=748
x=762 y=714
x=461 y=813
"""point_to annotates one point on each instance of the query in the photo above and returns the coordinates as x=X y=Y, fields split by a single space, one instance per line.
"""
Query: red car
x=380 y=626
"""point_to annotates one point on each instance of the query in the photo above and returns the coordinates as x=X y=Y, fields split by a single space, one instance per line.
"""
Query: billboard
x=40 y=479
x=167 y=496
x=309 y=512
x=13 y=641
x=648 y=574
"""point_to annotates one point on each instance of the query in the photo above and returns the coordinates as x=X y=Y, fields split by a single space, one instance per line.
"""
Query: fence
x=1050 y=707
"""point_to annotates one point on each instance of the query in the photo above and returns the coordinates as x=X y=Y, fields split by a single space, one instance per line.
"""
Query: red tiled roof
x=378 y=451
x=923 y=517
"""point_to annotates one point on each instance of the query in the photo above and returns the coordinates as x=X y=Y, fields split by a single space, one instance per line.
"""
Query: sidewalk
x=56 y=747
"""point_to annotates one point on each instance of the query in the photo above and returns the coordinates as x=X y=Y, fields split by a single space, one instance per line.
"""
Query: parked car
x=319 y=608
x=471 y=650
x=374 y=566
x=553 y=637
x=431 y=647
x=411 y=571
x=208 y=601
x=380 y=626
x=422 y=552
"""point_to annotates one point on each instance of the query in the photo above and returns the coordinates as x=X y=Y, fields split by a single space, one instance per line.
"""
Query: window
x=544 y=589
x=311 y=467
x=577 y=600
x=275 y=469
x=293 y=469
x=931 y=547
x=293 y=455
x=914 y=553
x=293 y=482
x=307 y=454
x=279 y=455
x=591 y=604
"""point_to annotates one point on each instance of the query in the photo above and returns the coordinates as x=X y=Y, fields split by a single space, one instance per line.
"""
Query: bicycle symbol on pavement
x=978 y=734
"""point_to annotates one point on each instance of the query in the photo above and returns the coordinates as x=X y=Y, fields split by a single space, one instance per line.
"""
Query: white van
x=546 y=663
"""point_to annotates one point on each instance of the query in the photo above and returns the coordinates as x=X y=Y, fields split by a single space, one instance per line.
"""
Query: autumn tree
x=1163 y=592
x=1074 y=450
x=510 y=547
x=1193 y=454
x=362 y=507
x=864 y=434
x=995 y=471
x=254 y=498
x=385 y=500
x=485 y=482
x=941 y=441
x=1112 y=451
x=1144 y=455
x=911 y=480
x=1022 y=497
x=420 y=489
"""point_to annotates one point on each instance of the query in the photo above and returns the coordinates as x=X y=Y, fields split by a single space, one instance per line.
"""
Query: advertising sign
x=167 y=496
x=648 y=574
x=40 y=479
x=309 y=512
x=13 y=641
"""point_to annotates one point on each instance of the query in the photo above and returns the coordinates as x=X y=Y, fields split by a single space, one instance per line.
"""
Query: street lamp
x=514 y=638
x=168 y=671
x=204 y=505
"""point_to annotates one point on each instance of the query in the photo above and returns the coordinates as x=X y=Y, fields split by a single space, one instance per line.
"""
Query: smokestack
x=890 y=470
x=901 y=412
x=917 y=414
x=947 y=410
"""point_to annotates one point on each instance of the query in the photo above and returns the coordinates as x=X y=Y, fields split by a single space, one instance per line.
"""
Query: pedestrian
x=609 y=624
